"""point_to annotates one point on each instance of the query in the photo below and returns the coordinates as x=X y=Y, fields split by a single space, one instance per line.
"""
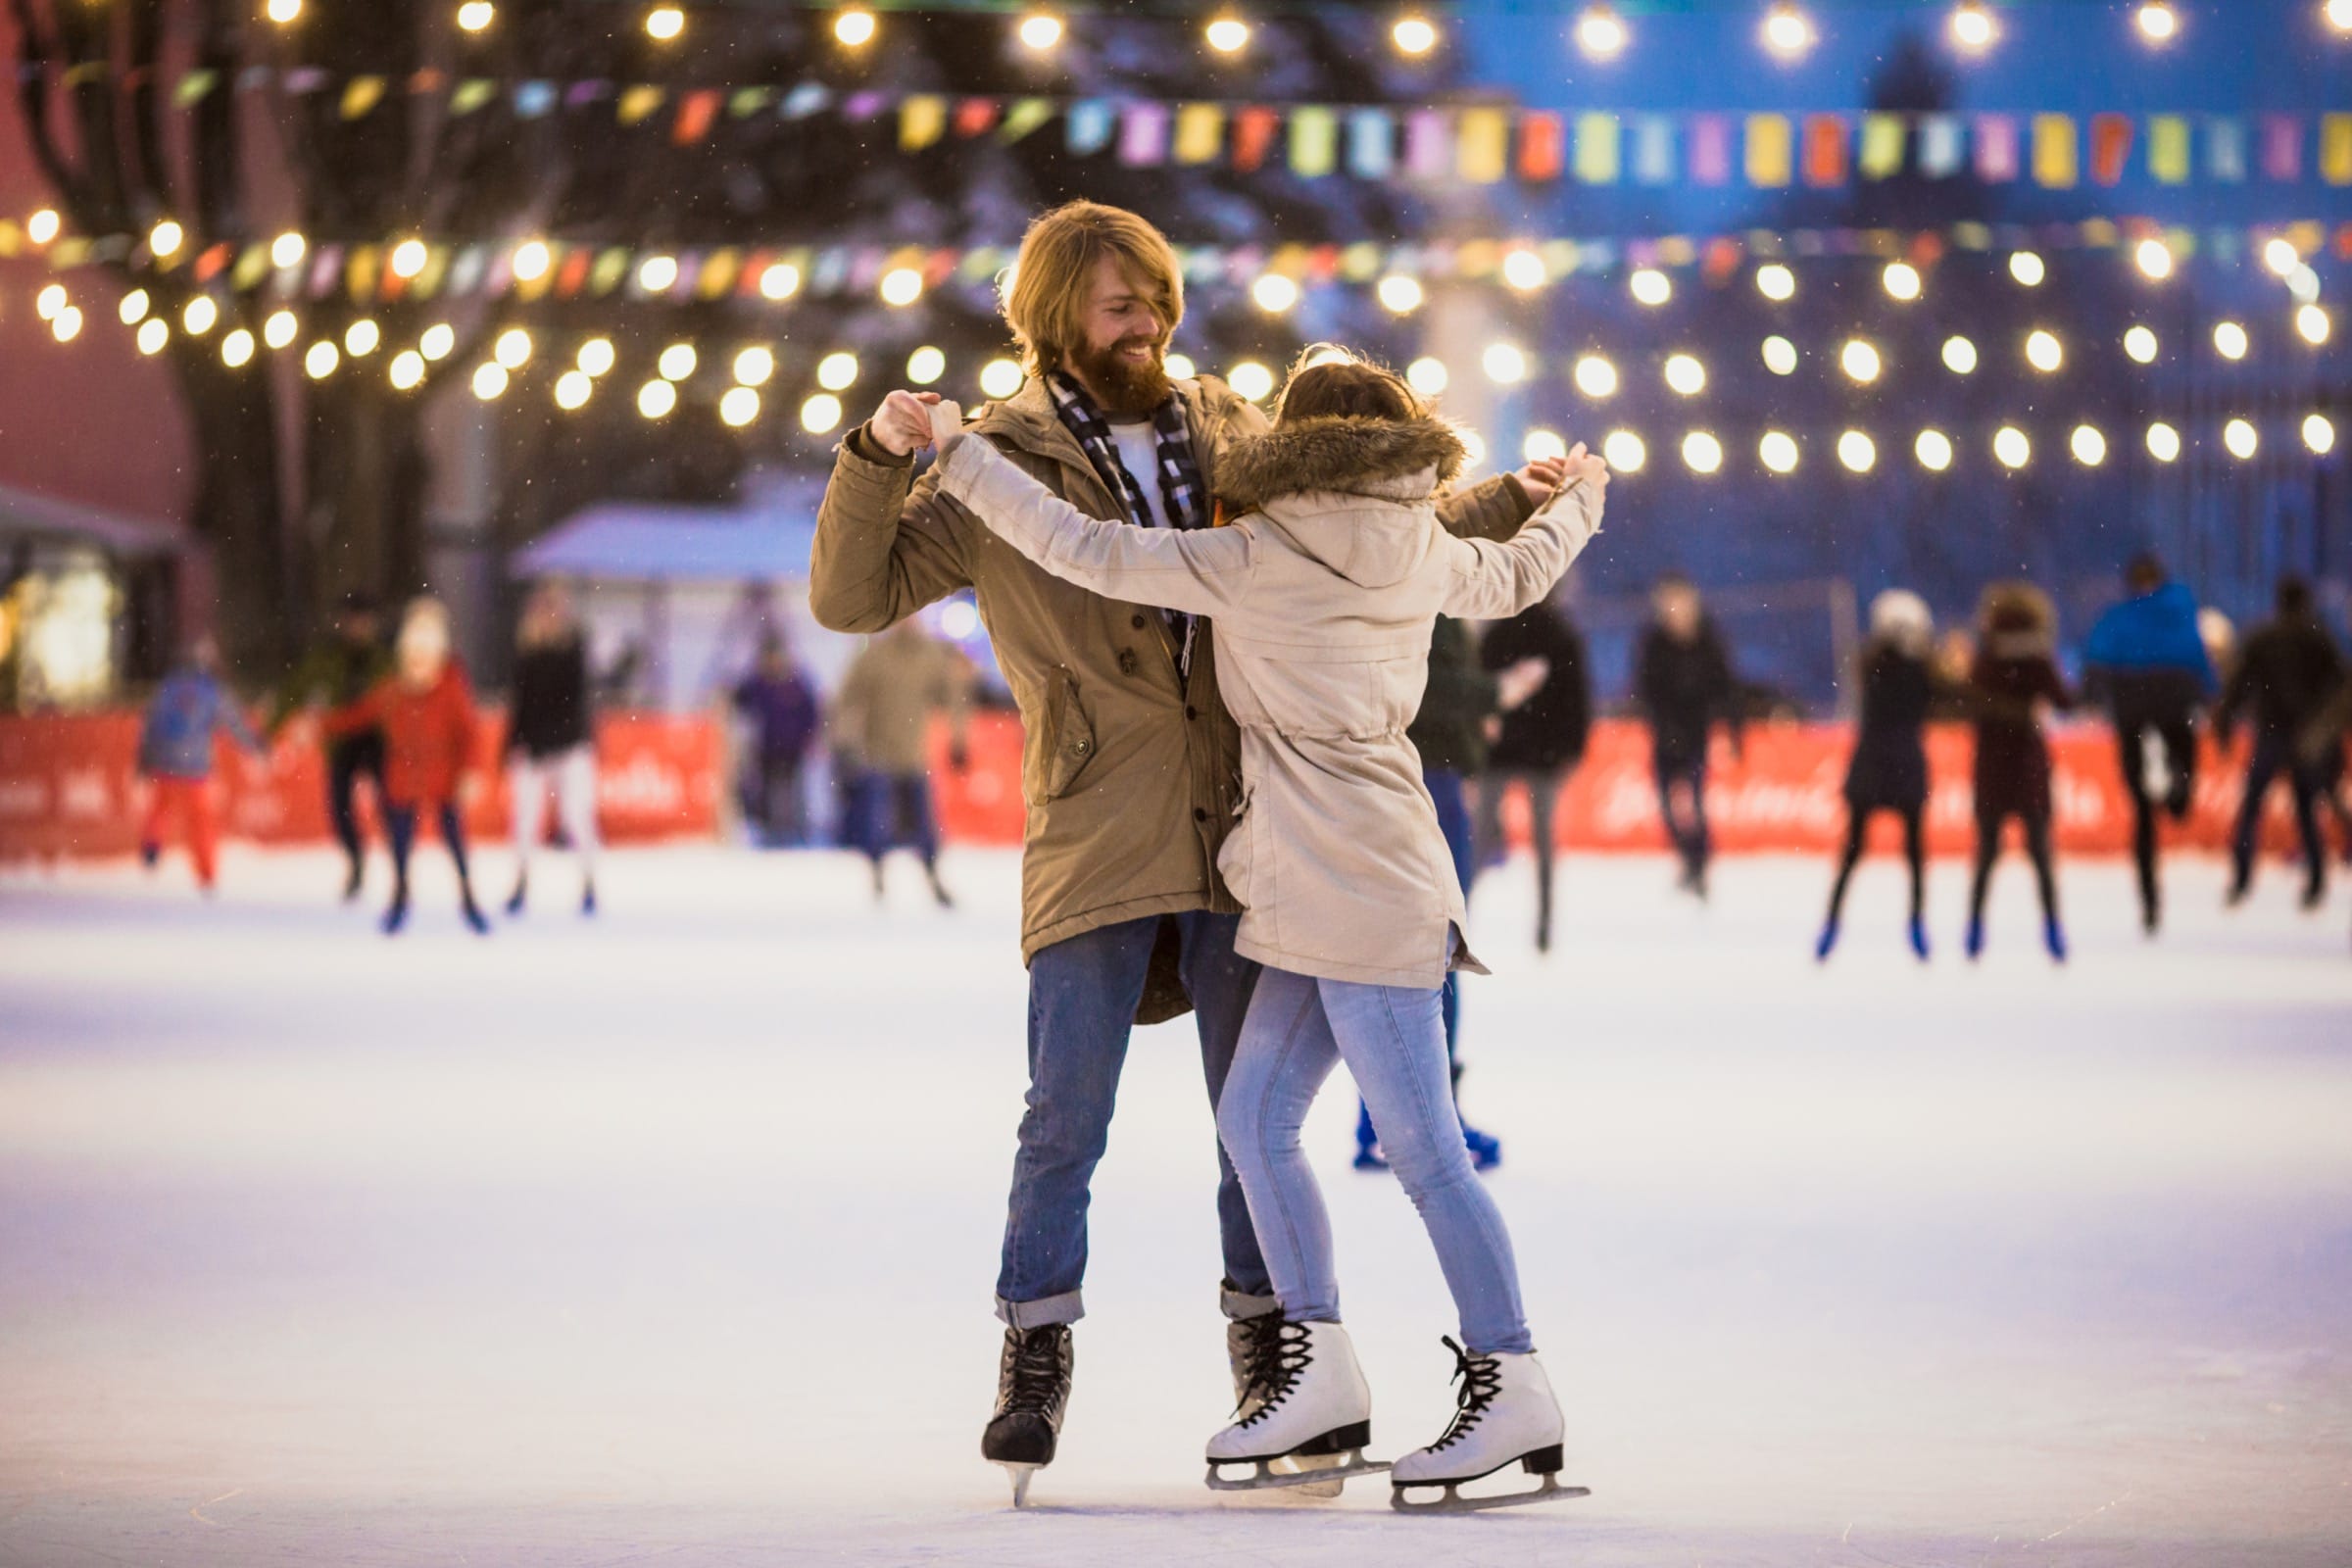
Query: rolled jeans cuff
x=1068 y=1307
x=1240 y=1306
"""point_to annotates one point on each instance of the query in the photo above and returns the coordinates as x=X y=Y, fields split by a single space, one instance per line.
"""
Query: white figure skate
x=1504 y=1414
x=1306 y=1414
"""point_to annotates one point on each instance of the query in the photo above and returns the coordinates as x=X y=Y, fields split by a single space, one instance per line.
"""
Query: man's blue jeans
x=1081 y=999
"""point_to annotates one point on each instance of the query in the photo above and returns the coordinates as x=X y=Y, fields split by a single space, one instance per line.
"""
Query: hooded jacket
x=1324 y=591
x=429 y=734
x=2146 y=658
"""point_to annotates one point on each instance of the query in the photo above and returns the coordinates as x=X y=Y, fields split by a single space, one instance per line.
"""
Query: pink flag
x=1710 y=150
x=1996 y=149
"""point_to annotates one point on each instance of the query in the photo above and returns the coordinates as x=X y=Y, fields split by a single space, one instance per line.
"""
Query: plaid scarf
x=1184 y=497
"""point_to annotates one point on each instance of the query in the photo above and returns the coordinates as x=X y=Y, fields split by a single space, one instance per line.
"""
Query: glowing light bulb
x=2319 y=434
x=820 y=413
x=755 y=364
x=531 y=261
x=1425 y=375
x=1858 y=452
x=1601 y=34
x=663 y=24
x=2239 y=436
x=1228 y=34
x=438 y=341
x=513 y=348
x=927 y=365
x=2313 y=325
x=1973 y=28
x=1541 y=445
x=1624 y=452
x=282 y=12
x=1686 y=375
x=279 y=328
x=1251 y=379
x=1860 y=360
x=2043 y=352
x=2229 y=340
x=199 y=316
x=1399 y=294
x=236 y=348
x=1180 y=367
x=1959 y=356
x=2280 y=256
x=2157 y=21
x=406 y=369
x=407 y=258
x=901 y=285
x=656 y=274
x=2088 y=446
x=1595 y=378
x=134 y=309
x=1933 y=449
x=43 y=225
x=572 y=389
x=166 y=238
x=2011 y=448
x=1780 y=356
x=1524 y=270
x=1788 y=31
x=49 y=300
x=1701 y=452
x=2026 y=267
x=1902 y=281
x=287 y=249
x=153 y=335
x=1274 y=293
x=1777 y=451
x=66 y=324
x=596 y=356
x=490 y=380
x=2164 y=442
x=1413 y=35
x=837 y=371
x=1506 y=363
x=2338 y=14
x=361 y=337
x=475 y=14
x=1776 y=282
x=1002 y=378
x=319 y=361
x=780 y=281
x=739 y=406
x=657 y=398
x=1041 y=31
x=2154 y=258
x=677 y=362
x=854 y=29
x=1650 y=286
x=2140 y=344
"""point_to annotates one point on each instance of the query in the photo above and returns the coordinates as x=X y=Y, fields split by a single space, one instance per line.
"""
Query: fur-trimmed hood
x=1348 y=456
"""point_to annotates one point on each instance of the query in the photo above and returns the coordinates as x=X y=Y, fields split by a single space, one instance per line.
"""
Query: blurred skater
x=1683 y=681
x=1890 y=767
x=337 y=669
x=777 y=704
x=2013 y=681
x=882 y=726
x=175 y=754
x=426 y=711
x=2146 y=659
x=1540 y=742
x=2288 y=673
x=549 y=742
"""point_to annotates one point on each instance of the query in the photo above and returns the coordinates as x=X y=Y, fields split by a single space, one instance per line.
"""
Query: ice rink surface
x=668 y=1238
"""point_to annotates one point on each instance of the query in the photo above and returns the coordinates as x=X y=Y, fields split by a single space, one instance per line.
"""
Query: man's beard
x=1125 y=390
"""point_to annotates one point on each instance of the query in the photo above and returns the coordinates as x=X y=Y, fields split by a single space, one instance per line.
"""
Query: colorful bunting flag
x=2168 y=149
x=1428 y=144
x=1710 y=150
x=1996 y=149
x=1543 y=146
x=360 y=94
x=2335 y=149
x=1768 y=151
x=1025 y=116
x=976 y=117
x=1371 y=143
x=2056 y=157
x=1090 y=125
x=1143 y=135
x=1254 y=129
x=1482 y=155
x=1942 y=146
x=2110 y=147
x=2281 y=147
x=1653 y=150
x=1597 y=149
x=192 y=88
x=1883 y=139
x=471 y=94
x=923 y=120
x=1825 y=149
x=1200 y=133
x=696 y=111
x=2226 y=149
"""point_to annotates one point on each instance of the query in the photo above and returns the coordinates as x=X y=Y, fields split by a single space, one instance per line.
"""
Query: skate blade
x=1455 y=1503
x=1019 y=1474
x=1265 y=1478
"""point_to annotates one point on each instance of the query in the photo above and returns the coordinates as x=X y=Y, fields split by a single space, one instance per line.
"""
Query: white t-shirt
x=1139 y=454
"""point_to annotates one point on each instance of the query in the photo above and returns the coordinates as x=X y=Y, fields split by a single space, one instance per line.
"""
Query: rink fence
x=68 y=788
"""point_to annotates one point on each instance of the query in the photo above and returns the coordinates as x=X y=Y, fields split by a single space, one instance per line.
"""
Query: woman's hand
x=903 y=422
x=1586 y=468
x=1541 y=477
x=947 y=422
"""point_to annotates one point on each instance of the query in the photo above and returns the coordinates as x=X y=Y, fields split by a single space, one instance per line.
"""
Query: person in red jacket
x=426 y=711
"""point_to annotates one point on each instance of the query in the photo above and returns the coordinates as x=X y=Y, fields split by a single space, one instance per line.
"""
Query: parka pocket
x=1238 y=859
x=1067 y=745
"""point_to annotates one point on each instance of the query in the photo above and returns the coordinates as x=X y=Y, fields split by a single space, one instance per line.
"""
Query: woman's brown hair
x=1327 y=382
x=1046 y=304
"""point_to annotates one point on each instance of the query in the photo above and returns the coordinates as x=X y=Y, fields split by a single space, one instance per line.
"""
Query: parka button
x=1200 y=814
x=1138 y=624
x=1190 y=712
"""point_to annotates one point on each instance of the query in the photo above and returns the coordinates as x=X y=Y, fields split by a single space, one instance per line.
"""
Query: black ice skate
x=1305 y=1415
x=1033 y=1389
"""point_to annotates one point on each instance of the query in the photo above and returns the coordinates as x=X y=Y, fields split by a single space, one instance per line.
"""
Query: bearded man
x=1131 y=766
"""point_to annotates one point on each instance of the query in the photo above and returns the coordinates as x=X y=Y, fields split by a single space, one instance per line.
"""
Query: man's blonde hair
x=1054 y=274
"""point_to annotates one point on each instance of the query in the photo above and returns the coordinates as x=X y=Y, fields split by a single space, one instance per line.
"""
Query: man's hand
x=903 y=422
x=1541 y=477
x=1518 y=682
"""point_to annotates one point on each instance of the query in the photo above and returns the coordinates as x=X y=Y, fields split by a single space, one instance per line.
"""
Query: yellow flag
x=923 y=120
x=636 y=103
x=1483 y=151
x=1770 y=145
x=2335 y=149
x=2057 y=153
x=1881 y=146
x=360 y=95
x=1200 y=133
x=2168 y=149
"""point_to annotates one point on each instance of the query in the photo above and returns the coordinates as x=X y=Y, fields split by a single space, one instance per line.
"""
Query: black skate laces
x=1036 y=1372
x=1279 y=1351
x=1481 y=1379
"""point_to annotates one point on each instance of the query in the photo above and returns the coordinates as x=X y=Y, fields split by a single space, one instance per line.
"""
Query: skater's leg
x=575 y=802
x=2180 y=737
x=2130 y=740
x=1453 y=820
x=1221 y=983
x=400 y=834
x=453 y=836
x=2304 y=780
x=1702 y=841
x=1543 y=801
x=343 y=762
x=1677 y=836
x=2261 y=771
x=526 y=791
x=1083 y=994
x=1390 y=1037
x=204 y=829
x=1915 y=858
x=162 y=801
x=1857 y=823
x=1988 y=850
x=2045 y=869
x=1285 y=1054
x=1485 y=836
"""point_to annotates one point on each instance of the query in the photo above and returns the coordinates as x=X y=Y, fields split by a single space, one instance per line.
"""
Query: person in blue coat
x=2146 y=661
x=175 y=755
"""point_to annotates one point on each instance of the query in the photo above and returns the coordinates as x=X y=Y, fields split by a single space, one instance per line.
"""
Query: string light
x=282 y=12
x=197 y=317
x=1601 y=34
x=663 y=24
x=1959 y=356
x=490 y=380
x=2164 y=442
x=2044 y=351
x=2304 y=284
x=2027 y=269
x=1650 y=286
x=2157 y=21
x=781 y=282
x=287 y=249
x=2088 y=446
x=1933 y=449
x=1777 y=451
x=66 y=324
x=1859 y=361
x=657 y=398
x=513 y=350
x=1788 y=31
x=43 y=225
x=2339 y=16
x=2011 y=448
x=656 y=273
x=2239 y=436
x=1425 y=375
x=1595 y=378
x=2140 y=344
x=475 y=14
x=407 y=258
x=359 y=339
x=134 y=309
x=1228 y=34
x=1524 y=271
x=2319 y=433
x=439 y=341
x=739 y=406
x=1973 y=28
x=596 y=357
x=320 y=362
x=1701 y=452
x=1623 y=451
x=820 y=413
x=2312 y=325
x=1274 y=293
x=1686 y=375
x=236 y=348
x=678 y=360
x=2280 y=256
x=407 y=371
x=853 y=29
x=1474 y=451
x=1506 y=363
x=279 y=328
x=1902 y=281
x=531 y=261
x=1413 y=35
x=1399 y=294
x=153 y=335
x=1541 y=445
x=166 y=238
x=1041 y=31
x=838 y=371
x=2229 y=340
x=572 y=389
x=902 y=286
x=2155 y=259
x=755 y=364
x=1776 y=282
x=1180 y=367
x=1858 y=452
x=1251 y=379
x=49 y=300
x=1780 y=356
x=927 y=365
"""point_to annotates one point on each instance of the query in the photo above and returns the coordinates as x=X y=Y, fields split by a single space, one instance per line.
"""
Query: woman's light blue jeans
x=1393 y=1039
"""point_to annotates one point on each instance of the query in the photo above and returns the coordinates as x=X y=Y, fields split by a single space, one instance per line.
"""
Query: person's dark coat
x=1547 y=732
x=1686 y=689
x=782 y=712
x=549 y=711
x=1889 y=767
x=2287 y=674
x=2012 y=678
x=1450 y=730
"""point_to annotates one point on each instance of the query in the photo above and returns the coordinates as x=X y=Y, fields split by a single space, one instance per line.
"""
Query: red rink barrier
x=69 y=786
